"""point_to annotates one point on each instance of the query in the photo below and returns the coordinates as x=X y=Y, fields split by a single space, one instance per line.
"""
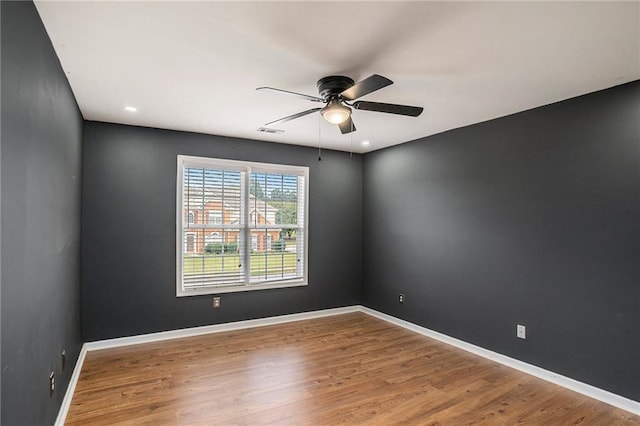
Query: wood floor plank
x=344 y=369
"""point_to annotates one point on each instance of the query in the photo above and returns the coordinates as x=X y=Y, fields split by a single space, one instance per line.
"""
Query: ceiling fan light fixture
x=335 y=112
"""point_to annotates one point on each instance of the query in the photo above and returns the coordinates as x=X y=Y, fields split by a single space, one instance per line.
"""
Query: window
x=215 y=217
x=190 y=243
x=252 y=231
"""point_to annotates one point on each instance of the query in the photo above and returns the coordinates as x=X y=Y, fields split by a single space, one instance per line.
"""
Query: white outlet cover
x=521 y=331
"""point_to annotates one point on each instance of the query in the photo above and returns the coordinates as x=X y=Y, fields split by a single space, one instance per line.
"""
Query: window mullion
x=200 y=217
x=245 y=199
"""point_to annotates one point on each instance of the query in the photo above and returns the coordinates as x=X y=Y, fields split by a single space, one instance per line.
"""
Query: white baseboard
x=216 y=328
x=566 y=382
x=68 y=396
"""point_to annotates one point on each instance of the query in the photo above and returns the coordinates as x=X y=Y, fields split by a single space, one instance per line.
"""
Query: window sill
x=239 y=288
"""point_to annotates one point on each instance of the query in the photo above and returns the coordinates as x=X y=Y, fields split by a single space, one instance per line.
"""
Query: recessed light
x=366 y=143
x=130 y=109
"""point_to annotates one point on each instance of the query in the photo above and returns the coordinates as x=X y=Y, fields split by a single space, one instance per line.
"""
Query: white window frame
x=245 y=167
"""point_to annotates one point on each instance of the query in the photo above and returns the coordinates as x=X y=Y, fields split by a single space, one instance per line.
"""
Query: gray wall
x=41 y=157
x=128 y=232
x=529 y=219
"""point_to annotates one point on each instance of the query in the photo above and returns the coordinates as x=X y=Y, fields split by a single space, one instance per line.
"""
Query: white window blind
x=240 y=226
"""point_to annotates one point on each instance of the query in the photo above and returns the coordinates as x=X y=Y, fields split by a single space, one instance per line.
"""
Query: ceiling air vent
x=269 y=130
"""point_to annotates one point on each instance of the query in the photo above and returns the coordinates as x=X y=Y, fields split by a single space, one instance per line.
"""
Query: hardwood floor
x=344 y=369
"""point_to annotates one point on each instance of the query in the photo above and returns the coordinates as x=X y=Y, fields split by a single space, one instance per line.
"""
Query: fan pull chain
x=319 y=127
x=351 y=146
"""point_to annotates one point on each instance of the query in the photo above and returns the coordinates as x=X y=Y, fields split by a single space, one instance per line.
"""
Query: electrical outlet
x=216 y=302
x=401 y=298
x=521 y=331
x=52 y=382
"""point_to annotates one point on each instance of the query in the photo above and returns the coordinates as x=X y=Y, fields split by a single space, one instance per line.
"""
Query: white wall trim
x=68 y=396
x=216 y=328
x=566 y=382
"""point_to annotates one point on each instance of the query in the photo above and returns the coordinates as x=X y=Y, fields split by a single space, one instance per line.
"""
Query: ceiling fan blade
x=347 y=126
x=366 y=86
x=294 y=116
x=411 y=111
x=286 y=92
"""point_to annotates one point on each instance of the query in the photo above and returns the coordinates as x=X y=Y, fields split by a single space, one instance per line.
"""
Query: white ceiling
x=194 y=66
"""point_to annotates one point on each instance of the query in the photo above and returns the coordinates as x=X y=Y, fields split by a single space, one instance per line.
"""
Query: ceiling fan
x=336 y=92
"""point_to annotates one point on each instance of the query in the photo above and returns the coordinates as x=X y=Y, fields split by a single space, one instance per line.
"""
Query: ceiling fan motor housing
x=330 y=87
